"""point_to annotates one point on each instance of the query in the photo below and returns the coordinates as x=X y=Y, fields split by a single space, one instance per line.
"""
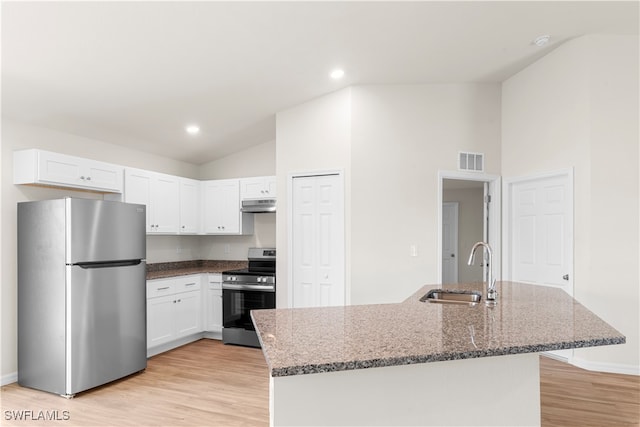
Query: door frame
x=455 y=243
x=495 y=226
x=508 y=222
x=309 y=174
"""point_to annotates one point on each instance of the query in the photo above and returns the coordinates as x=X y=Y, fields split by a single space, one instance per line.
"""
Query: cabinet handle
x=183 y=227
x=179 y=300
x=163 y=288
x=190 y=284
x=88 y=178
x=82 y=178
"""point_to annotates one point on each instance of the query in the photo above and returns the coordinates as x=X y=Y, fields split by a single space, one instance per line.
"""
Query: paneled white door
x=318 y=241
x=542 y=231
x=450 y=242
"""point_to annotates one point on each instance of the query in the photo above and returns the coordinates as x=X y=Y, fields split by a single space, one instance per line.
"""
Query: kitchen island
x=421 y=363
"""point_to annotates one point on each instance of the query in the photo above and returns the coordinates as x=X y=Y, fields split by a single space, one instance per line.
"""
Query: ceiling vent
x=473 y=162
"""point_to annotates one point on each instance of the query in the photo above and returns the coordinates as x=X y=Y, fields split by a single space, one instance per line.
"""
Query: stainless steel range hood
x=258 y=206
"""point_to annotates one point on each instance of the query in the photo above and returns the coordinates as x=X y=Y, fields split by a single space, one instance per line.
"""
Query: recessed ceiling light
x=542 y=40
x=192 y=129
x=337 y=74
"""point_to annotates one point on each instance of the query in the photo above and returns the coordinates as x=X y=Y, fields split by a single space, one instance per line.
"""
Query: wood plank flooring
x=571 y=396
x=201 y=384
x=209 y=384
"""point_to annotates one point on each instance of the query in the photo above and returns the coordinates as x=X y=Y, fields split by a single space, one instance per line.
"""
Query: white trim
x=612 y=368
x=506 y=214
x=290 y=177
x=9 y=378
x=495 y=225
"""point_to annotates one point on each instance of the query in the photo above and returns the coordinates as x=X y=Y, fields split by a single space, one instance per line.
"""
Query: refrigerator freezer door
x=100 y=230
x=106 y=326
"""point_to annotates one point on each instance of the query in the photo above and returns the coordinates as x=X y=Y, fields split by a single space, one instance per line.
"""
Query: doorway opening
x=469 y=211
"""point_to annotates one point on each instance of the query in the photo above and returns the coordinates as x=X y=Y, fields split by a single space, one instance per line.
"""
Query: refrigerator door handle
x=107 y=264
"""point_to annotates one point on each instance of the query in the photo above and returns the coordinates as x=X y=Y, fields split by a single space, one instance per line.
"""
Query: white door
x=450 y=242
x=318 y=241
x=541 y=213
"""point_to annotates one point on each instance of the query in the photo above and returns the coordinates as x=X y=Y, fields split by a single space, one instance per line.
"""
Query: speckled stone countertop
x=527 y=319
x=182 y=268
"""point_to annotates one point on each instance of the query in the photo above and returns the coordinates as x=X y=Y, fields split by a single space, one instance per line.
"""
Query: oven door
x=239 y=300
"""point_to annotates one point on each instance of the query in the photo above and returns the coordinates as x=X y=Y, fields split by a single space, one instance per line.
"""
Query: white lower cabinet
x=183 y=309
x=174 y=311
x=214 y=303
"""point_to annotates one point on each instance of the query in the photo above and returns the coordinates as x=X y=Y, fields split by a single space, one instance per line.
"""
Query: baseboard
x=9 y=378
x=153 y=351
x=612 y=368
x=558 y=357
x=213 y=335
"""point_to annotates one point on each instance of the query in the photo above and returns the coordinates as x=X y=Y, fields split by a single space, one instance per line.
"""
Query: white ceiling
x=135 y=73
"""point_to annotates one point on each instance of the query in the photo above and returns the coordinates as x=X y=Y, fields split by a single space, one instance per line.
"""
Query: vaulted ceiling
x=136 y=73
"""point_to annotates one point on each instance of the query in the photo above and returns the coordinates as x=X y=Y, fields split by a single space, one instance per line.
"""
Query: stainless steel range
x=252 y=288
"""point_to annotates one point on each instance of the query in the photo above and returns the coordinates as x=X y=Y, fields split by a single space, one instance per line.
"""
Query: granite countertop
x=182 y=268
x=527 y=319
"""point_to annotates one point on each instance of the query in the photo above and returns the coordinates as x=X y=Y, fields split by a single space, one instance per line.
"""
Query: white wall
x=259 y=160
x=313 y=136
x=578 y=107
x=402 y=135
x=391 y=142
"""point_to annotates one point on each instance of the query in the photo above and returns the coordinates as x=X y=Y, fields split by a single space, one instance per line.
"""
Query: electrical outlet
x=227 y=248
x=178 y=250
x=413 y=250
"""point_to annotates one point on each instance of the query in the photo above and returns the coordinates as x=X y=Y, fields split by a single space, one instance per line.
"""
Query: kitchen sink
x=446 y=296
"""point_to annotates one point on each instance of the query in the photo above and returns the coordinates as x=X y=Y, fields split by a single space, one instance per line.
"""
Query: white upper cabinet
x=258 y=187
x=160 y=193
x=46 y=168
x=190 y=195
x=221 y=211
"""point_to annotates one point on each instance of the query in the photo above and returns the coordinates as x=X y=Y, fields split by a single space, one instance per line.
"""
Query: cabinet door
x=165 y=202
x=189 y=206
x=229 y=196
x=160 y=324
x=60 y=169
x=103 y=176
x=258 y=187
x=222 y=206
x=188 y=314
x=252 y=188
x=270 y=186
x=137 y=189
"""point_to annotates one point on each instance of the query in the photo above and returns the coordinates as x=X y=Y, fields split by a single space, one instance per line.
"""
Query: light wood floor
x=209 y=384
x=571 y=396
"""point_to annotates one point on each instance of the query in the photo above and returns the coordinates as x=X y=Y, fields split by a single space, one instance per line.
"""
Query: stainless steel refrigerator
x=81 y=293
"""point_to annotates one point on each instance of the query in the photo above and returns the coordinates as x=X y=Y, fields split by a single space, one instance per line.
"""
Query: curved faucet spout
x=492 y=294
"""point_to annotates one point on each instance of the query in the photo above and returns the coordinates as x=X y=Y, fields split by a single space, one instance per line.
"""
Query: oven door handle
x=235 y=287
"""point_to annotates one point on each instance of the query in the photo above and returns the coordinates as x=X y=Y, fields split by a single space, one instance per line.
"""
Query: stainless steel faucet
x=492 y=294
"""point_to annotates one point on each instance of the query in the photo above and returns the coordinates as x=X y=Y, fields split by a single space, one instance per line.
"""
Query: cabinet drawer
x=160 y=287
x=187 y=283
